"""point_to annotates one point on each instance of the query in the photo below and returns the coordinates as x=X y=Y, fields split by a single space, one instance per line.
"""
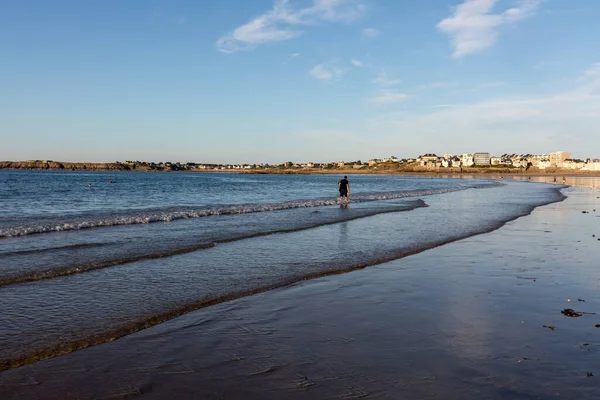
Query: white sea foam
x=172 y=215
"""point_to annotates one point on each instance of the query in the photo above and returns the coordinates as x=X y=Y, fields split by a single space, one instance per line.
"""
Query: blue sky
x=303 y=80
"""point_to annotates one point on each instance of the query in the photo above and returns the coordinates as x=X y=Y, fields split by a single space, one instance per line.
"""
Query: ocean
x=88 y=257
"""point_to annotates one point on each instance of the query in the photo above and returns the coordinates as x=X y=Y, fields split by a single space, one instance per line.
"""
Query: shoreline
x=435 y=324
x=38 y=165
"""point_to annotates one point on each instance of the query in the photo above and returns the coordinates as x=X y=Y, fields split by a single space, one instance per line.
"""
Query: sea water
x=86 y=257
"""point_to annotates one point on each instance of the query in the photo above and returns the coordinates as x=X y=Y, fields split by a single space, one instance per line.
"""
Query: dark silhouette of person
x=344 y=187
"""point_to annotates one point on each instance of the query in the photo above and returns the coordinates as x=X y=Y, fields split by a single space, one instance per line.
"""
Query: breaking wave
x=146 y=217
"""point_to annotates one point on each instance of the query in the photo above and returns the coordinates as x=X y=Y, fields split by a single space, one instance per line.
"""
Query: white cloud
x=281 y=22
x=473 y=27
x=388 y=97
x=480 y=87
x=356 y=63
x=565 y=120
x=321 y=72
x=439 y=85
x=592 y=73
x=444 y=106
x=383 y=80
x=295 y=55
x=326 y=72
x=371 y=32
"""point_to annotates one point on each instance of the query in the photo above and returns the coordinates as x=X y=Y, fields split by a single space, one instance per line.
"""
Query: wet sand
x=461 y=321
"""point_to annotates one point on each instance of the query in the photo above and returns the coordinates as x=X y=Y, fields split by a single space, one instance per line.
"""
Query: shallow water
x=67 y=289
x=461 y=321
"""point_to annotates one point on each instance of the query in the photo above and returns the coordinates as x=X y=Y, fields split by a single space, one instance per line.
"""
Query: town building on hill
x=481 y=158
x=592 y=165
x=467 y=160
x=429 y=160
x=558 y=157
x=542 y=164
x=571 y=163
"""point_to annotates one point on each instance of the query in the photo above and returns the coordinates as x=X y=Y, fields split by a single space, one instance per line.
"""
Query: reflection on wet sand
x=591 y=182
x=462 y=321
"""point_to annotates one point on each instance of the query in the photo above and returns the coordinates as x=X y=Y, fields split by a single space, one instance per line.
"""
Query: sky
x=239 y=81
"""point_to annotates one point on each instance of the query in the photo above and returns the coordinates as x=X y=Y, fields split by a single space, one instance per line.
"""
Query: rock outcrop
x=56 y=165
x=85 y=166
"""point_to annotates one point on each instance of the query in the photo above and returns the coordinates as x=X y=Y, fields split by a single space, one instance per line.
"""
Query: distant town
x=556 y=161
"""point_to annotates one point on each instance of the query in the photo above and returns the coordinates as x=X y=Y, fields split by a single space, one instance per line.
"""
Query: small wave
x=58 y=248
x=172 y=215
x=82 y=268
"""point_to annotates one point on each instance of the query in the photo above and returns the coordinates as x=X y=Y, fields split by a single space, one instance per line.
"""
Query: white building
x=467 y=160
x=543 y=164
x=558 y=157
x=519 y=162
x=447 y=162
x=571 y=163
x=481 y=158
x=429 y=160
x=592 y=165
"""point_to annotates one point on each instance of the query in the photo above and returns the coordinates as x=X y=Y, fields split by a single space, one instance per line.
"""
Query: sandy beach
x=478 y=318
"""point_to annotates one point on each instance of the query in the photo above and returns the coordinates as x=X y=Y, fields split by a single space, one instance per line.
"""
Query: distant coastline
x=391 y=168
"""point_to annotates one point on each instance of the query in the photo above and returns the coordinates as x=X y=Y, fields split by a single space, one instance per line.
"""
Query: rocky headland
x=87 y=166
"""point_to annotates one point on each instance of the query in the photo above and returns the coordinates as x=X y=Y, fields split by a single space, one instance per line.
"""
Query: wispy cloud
x=383 y=80
x=444 y=106
x=326 y=72
x=371 y=32
x=282 y=22
x=388 y=97
x=481 y=86
x=567 y=119
x=592 y=73
x=356 y=63
x=489 y=85
x=473 y=27
x=292 y=57
x=439 y=85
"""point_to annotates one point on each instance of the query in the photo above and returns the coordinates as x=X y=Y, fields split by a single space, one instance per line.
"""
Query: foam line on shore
x=187 y=213
x=82 y=268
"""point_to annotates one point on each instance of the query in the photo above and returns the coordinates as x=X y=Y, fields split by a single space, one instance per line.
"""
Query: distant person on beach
x=564 y=180
x=555 y=180
x=344 y=189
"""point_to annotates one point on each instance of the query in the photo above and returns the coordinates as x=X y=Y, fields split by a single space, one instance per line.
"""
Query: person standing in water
x=344 y=189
